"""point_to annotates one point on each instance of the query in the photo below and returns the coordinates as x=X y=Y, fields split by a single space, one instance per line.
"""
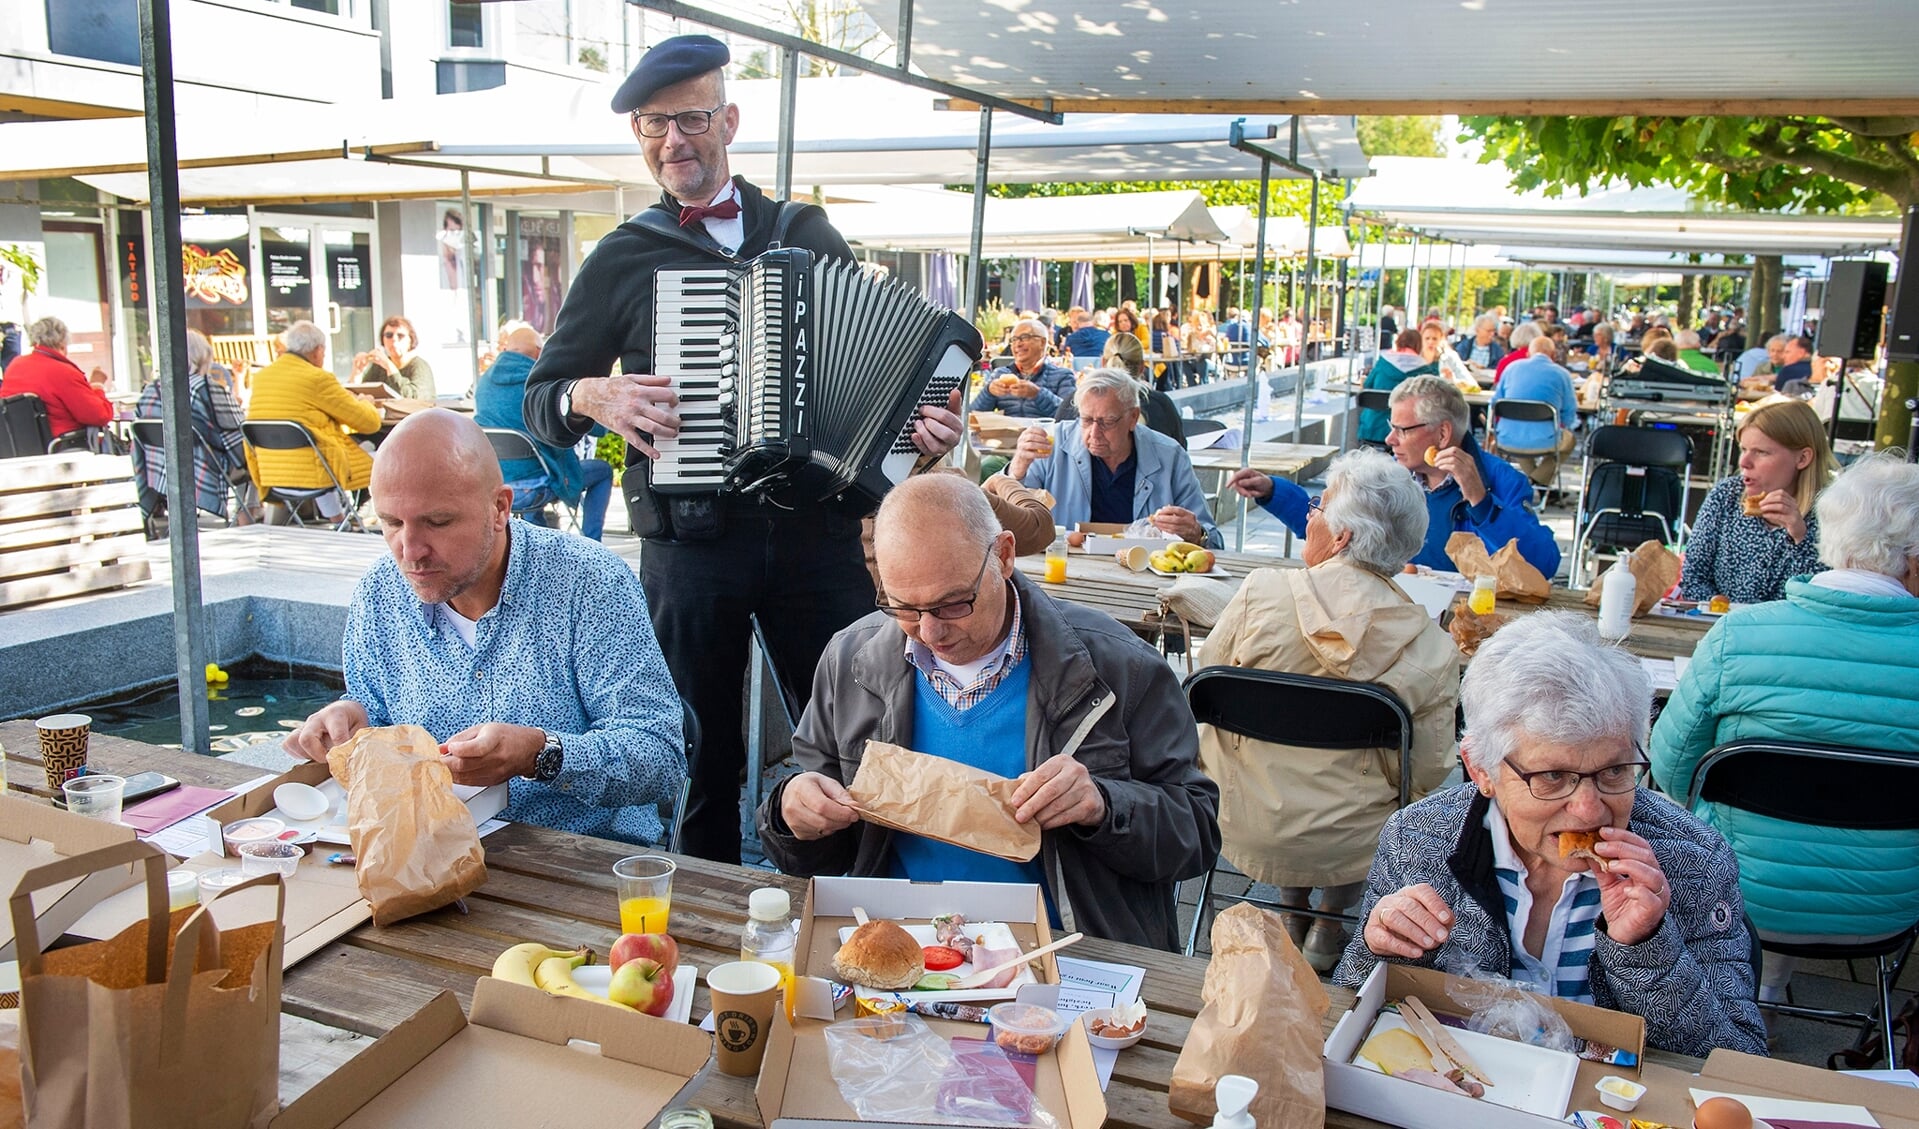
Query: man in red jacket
x=74 y=399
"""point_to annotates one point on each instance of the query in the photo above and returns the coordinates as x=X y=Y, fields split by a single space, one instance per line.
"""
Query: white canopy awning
x=416 y=148
x=1129 y=227
x=1426 y=56
x=1468 y=203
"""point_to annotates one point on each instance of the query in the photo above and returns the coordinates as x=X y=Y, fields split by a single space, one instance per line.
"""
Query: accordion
x=798 y=379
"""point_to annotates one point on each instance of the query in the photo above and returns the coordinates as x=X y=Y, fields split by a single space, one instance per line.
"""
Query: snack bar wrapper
x=1513 y=576
x=1260 y=1013
x=1655 y=569
x=416 y=843
x=941 y=799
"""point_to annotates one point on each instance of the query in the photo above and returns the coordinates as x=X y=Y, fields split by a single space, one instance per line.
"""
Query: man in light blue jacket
x=1105 y=467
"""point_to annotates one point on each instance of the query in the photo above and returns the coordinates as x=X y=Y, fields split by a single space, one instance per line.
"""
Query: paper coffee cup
x=63 y=746
x=1133 y=557
x=744 y=993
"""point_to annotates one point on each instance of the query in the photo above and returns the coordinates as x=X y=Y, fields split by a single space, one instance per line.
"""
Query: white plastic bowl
x=1104 y=1042
x=301 y=802
x=1619 y=1093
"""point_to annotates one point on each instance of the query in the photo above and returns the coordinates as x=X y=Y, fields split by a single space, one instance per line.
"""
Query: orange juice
x=785 y=968
x=1483 y=601
x=1055 y=568
x=644 y=914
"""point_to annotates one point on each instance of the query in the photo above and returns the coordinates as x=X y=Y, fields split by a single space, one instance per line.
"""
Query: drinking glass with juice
x=1484 y=597
x=646 y=892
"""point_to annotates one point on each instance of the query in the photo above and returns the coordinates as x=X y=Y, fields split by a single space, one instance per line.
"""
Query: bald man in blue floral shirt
x=528 y=652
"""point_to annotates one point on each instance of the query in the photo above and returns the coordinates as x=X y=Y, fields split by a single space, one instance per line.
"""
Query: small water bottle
x=768 y=936
x=1616 y=598
x=1233 y=1094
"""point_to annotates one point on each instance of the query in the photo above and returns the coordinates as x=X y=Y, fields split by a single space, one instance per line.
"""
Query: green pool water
x=261 y=700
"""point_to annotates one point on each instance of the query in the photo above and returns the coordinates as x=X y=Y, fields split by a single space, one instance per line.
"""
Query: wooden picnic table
x=555 y=887
x=1293 y=461
x=1133 y=598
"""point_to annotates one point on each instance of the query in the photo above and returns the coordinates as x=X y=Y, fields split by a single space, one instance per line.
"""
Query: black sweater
x=608 y=312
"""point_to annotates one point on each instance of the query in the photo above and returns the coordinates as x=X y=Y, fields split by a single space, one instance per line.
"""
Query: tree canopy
x=1760 y=163
x=1405 y=136
x=1285 y=198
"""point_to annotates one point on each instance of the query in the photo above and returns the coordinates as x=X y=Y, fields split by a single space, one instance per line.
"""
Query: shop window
x=464 y=26
x=456 y=76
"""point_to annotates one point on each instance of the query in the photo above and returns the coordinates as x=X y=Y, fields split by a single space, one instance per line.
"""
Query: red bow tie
x=724 y=210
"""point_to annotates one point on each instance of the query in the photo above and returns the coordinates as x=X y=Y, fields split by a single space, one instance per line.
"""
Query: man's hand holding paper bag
x=948 y=801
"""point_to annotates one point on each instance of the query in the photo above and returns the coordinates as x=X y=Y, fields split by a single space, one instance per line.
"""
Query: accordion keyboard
x=696 y=342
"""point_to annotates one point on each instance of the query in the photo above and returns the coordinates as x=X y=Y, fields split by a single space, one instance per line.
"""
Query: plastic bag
x=1502 y=1008
x=895 y=1068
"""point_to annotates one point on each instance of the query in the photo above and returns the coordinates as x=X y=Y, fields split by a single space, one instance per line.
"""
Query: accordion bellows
x=799 y=379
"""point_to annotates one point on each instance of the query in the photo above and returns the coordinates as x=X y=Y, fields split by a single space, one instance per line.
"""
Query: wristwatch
x=566 y=400
x=546 y=766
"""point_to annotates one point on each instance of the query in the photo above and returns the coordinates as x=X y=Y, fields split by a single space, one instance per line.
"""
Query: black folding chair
x=292 y=435
x=1524 y=411
x=1374 y=400
x=1298 y=709
x=1634 y=488
x=1822 y=786
x=23 y=426
x=510 y=445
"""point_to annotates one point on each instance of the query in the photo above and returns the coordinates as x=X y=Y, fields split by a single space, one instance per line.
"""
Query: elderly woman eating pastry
x=1553 y=866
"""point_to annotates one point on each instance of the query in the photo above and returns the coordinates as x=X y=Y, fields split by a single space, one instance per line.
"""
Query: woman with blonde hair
x=1756 y=529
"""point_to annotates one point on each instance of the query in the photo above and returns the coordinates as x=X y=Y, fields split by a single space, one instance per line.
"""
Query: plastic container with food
x=1026 y=1029
x=259 y=829
x=1115 y=1028
x=1619 y=1093
x=271 y=857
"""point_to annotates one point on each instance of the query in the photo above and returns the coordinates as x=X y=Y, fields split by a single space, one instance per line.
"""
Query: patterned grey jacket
x=1692 y=981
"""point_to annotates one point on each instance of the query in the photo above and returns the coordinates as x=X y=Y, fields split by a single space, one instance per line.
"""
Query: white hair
x=303 y=337
x=1869 y=516
x=1547 y=677
x=1117 y=383
x=1524 y=333
x=1434 y=399
x=48 y=333
x=1486 y=320
x=1371 y=496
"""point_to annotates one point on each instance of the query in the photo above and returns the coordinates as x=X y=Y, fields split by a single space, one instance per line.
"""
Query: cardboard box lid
x=33 y=833
x=517 y=1061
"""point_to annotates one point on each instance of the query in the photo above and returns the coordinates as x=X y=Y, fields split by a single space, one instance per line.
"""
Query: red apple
x=642 y=983
x=657 y=947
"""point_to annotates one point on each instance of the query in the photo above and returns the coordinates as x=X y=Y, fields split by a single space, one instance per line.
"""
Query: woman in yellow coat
x=297 y=387
x=1305 y=819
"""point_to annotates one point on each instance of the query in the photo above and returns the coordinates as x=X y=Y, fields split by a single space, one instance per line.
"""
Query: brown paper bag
x=415 y=841
x=1514 y=577
x=1469 y=629
x=1655 y=569
x=941 y=799
x=1260 y=1012
x=171 y=1024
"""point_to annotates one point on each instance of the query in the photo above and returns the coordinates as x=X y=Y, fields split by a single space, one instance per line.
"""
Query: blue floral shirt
x=569 y=648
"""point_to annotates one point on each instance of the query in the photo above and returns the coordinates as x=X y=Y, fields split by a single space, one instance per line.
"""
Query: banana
x=518 y=963
x=554 y=975
x=1181 y=548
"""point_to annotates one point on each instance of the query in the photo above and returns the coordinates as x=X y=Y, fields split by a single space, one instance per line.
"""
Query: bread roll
x=880 y=954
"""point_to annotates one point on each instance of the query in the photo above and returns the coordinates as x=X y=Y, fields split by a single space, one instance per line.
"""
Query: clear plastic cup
x=96 y=796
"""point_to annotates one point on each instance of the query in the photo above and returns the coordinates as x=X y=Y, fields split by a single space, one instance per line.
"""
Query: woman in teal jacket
x=1833 y=663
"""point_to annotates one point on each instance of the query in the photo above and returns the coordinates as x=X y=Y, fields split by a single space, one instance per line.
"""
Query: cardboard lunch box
x=323 y=901
x=1104 y=538
x=34 y=833
x=796 y=1088
x=1396 y=1101
x=522 y=1058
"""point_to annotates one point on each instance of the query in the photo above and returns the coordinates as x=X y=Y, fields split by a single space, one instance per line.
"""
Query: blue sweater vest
x=990 y=736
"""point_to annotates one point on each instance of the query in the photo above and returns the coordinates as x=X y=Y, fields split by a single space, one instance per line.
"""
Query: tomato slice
x=939 y=958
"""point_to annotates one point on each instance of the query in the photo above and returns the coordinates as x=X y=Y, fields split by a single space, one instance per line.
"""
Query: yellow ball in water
x=215 y=674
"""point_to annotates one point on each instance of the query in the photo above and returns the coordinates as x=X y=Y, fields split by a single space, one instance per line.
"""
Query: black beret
x=669 y=61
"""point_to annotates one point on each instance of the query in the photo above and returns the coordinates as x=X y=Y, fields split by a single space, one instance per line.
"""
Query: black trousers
x=804 y=574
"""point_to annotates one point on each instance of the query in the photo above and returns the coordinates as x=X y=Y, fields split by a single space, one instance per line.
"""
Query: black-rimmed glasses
x=1403 y=429
x=1558 y=784
x=958 y=609
x=692 y=123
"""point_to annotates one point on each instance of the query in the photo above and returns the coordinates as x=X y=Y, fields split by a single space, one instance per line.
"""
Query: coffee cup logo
x=737 y=1031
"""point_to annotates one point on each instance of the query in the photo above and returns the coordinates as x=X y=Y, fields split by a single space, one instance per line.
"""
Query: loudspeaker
x=1902 y=336
x=1849 y=317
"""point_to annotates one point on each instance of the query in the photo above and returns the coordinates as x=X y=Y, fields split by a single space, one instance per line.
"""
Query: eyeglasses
x=393 y=333
x=1315 y=505
x=1404 y=429
x=692 y=123
x=1104 y=423
x=958 y=609
x=1558 y=784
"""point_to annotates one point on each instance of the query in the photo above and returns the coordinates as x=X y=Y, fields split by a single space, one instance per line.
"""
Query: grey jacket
x=1692 y=981
x=1098 y=693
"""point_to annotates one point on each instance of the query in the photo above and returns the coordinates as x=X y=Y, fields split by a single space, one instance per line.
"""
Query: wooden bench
x=69 y=523
x=242 y=353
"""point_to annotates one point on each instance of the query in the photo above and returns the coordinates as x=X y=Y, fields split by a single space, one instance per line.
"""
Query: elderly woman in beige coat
x=1309 y=819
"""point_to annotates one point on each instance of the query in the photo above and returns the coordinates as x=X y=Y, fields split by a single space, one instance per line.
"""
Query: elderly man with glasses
x=967 y=659
x=1030 y=385
x=1553 y=865
x=1104 y=467
x=1467 y=489
x=713 y=562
